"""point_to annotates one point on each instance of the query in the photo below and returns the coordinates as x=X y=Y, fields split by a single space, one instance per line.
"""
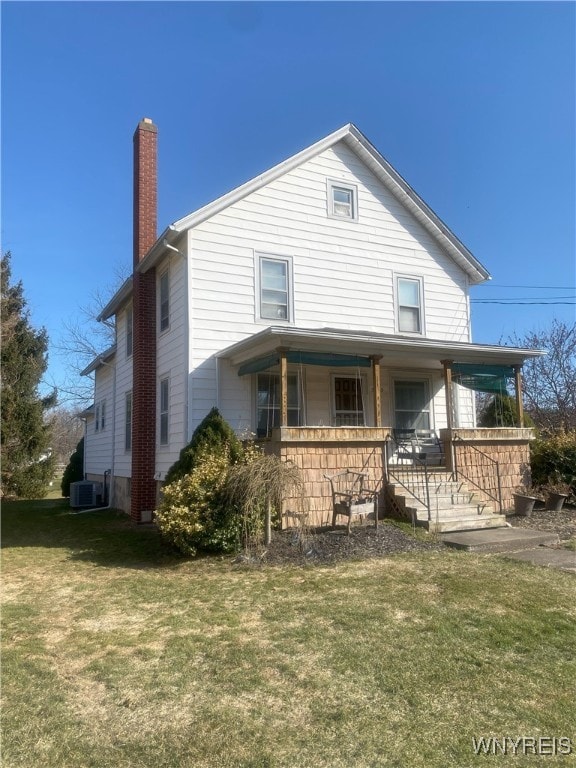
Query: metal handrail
x=394 y=472
x=494 y=492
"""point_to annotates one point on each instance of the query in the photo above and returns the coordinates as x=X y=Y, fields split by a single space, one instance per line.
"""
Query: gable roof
x=382 y=169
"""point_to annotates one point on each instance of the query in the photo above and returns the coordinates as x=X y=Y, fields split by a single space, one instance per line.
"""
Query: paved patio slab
x=499 y=539
x=563 y=559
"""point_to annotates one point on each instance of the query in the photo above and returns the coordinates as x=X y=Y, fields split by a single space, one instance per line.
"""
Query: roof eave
x=120 y=297
x=366 y=343
x=100 y=360
x=399 y=187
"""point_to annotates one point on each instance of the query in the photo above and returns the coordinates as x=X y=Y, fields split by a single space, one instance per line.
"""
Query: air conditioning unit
x=85 y=493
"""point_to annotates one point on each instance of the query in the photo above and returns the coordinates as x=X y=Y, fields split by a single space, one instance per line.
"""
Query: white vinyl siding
x=98 y=444
x=343 y=276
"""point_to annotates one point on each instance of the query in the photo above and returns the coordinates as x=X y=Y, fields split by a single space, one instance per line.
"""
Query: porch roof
x=395 y=350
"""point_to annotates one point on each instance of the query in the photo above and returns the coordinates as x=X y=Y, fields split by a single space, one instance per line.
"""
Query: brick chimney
x=144 y=331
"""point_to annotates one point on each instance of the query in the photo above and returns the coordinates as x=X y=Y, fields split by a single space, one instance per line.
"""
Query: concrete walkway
x=536 y=547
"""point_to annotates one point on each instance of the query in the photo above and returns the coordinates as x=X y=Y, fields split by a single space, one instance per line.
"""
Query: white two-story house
x=320 y=306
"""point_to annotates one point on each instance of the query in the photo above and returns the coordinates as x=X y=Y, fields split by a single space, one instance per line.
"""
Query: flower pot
x=555 y=501
x=523 y=505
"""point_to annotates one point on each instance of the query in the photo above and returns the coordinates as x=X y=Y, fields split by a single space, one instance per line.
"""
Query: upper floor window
x=274 y=288
x=164 y=301
x=409 y=303
x=342 y=200
x=129 y=331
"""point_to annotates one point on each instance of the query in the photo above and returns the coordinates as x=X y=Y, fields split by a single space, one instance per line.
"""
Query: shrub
x=194 y=513
x=500 y=411
x=75 y=469
x=257 y=486
x=554 y=459
x=213 y=435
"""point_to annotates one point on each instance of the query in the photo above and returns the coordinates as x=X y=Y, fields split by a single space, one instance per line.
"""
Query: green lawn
x=118 y=653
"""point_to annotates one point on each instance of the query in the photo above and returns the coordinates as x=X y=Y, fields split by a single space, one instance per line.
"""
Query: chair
x=430 y=445
x=350 y=497
x=407 y=445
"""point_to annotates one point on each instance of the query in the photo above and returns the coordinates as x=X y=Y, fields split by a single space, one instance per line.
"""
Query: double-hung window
x=164 y=301
x=342 y=200
x=409 y=302
x=274 y=288
x=412 y=404
x=128 y=422
x=164 y=410
x=348 y=401
x=268 y=396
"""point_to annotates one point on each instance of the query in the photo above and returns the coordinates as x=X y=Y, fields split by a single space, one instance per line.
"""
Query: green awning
x=483 y=378
x=305 y=358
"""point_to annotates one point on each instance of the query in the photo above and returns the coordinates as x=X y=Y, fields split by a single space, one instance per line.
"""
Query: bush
x=554 y=458
x=500 y=411
x=75 y=469
x=194 y=514
x=212 y=435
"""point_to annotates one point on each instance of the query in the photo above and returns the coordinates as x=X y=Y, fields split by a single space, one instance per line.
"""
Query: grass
x=118 y=653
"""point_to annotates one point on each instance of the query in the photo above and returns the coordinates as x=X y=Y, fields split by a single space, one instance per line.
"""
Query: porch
x=332 y=400
x=487 y=463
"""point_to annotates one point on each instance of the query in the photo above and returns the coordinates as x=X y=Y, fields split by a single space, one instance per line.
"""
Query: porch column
x=448 y=387
x=518 y=389
x=283 y=388
x=376 y=384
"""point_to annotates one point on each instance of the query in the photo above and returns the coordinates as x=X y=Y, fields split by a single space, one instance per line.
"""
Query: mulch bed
x=563 y=523
x=326 y=546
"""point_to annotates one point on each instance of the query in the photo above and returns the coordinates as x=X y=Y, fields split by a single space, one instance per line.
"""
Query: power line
x=511 y=302
x=537 y=287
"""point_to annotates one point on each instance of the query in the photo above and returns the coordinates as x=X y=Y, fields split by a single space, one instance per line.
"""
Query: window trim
x=128 y=412
x=363 y=395
x=164 y=320
x=420 y=282
x=333 y=184
x=300 y=400
x=428 y=382
x=164 y=414
x=259 y=258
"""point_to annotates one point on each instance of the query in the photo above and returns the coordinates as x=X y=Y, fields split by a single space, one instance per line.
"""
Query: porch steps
x=453 y=506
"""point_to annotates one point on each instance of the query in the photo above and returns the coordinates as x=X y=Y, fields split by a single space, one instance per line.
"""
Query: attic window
x=342 y=201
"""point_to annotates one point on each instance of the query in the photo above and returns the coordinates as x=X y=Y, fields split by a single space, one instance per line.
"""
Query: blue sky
x=473 y=103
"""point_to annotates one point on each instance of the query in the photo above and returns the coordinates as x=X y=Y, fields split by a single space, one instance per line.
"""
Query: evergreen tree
x=27 y=466
x=212 y=435
x=75 y=469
